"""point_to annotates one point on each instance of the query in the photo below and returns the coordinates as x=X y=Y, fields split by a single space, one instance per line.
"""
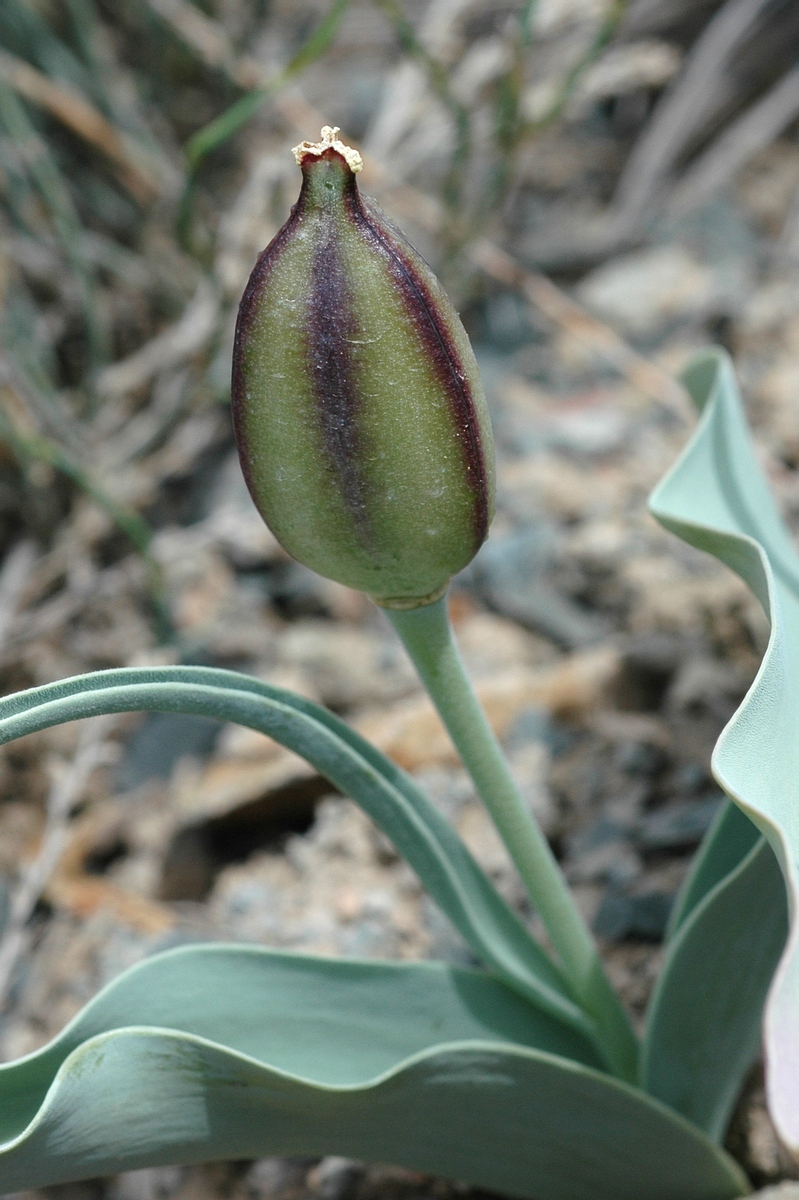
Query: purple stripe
x=332 y=329
x=439 y=344
x=331 y=326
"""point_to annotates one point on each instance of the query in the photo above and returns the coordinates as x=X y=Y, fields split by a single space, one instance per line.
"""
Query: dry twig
x=169 y=349
x=64 y=794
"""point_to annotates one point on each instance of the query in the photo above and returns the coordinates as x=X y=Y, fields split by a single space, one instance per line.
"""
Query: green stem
x=427 y=636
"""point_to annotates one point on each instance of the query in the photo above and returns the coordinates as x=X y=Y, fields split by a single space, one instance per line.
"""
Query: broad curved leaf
x=717 y=498
x=336 y=1020
x=261 y=1053
x=390 y=797
x=703 y=1023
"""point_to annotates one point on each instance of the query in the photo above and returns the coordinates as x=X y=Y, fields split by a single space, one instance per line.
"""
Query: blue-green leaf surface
x=703 y=1023
x=390 y=797
x=717 y=499
x=240 y=1052
x=725 y=845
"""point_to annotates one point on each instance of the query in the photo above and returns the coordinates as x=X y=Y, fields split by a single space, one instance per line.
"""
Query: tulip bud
x=360 y=418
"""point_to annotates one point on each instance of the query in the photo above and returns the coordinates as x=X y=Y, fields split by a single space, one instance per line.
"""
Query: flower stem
x=427 y=637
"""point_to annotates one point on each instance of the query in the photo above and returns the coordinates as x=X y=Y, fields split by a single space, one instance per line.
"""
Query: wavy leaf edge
x=496 y=1048
x=248 y=950
x=748 y=557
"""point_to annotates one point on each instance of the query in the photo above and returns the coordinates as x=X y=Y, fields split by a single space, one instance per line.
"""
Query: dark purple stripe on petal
x=332 y=329
x=450 y=370
x=326 y=340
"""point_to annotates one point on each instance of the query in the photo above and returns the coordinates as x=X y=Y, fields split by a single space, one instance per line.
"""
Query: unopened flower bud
x=360 y=417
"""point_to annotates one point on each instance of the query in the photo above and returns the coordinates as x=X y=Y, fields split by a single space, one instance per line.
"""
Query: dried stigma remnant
x=360 y=417
x=330 y=141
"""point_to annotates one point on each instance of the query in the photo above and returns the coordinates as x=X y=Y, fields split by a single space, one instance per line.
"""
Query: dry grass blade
x=404 y=88
x=604 y=34
x=438 y=79
x=14 y=576
x=209 y=41
x=756 y=129
x=169 y=349
x=28 y=445
x=36 y=410
x=223 y=127
x=50 y=617
x=74 y=111
x=46 y=177
x=138 y=434
x=63 y=796
x=789 y=234
x=681 y=113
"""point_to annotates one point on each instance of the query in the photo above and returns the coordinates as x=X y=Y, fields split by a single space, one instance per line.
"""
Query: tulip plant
x=366 y=444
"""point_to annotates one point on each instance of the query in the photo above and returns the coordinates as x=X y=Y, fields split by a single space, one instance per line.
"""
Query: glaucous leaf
x=724 y=847
x=236 y=1052
x=703 y=1023
x=717 y=498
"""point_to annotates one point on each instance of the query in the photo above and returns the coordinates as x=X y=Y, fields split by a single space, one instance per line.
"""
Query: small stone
x=513 y=576
x=602 y=833
x=449 y=789
x=679 y=826
x=645 y=291
x=348 y=903
x=640 y=758
x=536 y=725
x=152 y=1183
x=445 y=944
x=690 y=778
x=349 y=665
x=507 y=320
x=766 y=1153
x=274 y=1178
x=159 y=744
x=708 y=684
x=648 y=666
x=479 y=833
x=334 y=1178
x=602 y=853
x=644 y=916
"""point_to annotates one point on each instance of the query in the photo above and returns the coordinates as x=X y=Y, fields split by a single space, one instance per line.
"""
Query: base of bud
x=404 y=603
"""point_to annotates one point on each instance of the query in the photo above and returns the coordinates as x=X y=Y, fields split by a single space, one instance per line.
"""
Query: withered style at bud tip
x=359 y=413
